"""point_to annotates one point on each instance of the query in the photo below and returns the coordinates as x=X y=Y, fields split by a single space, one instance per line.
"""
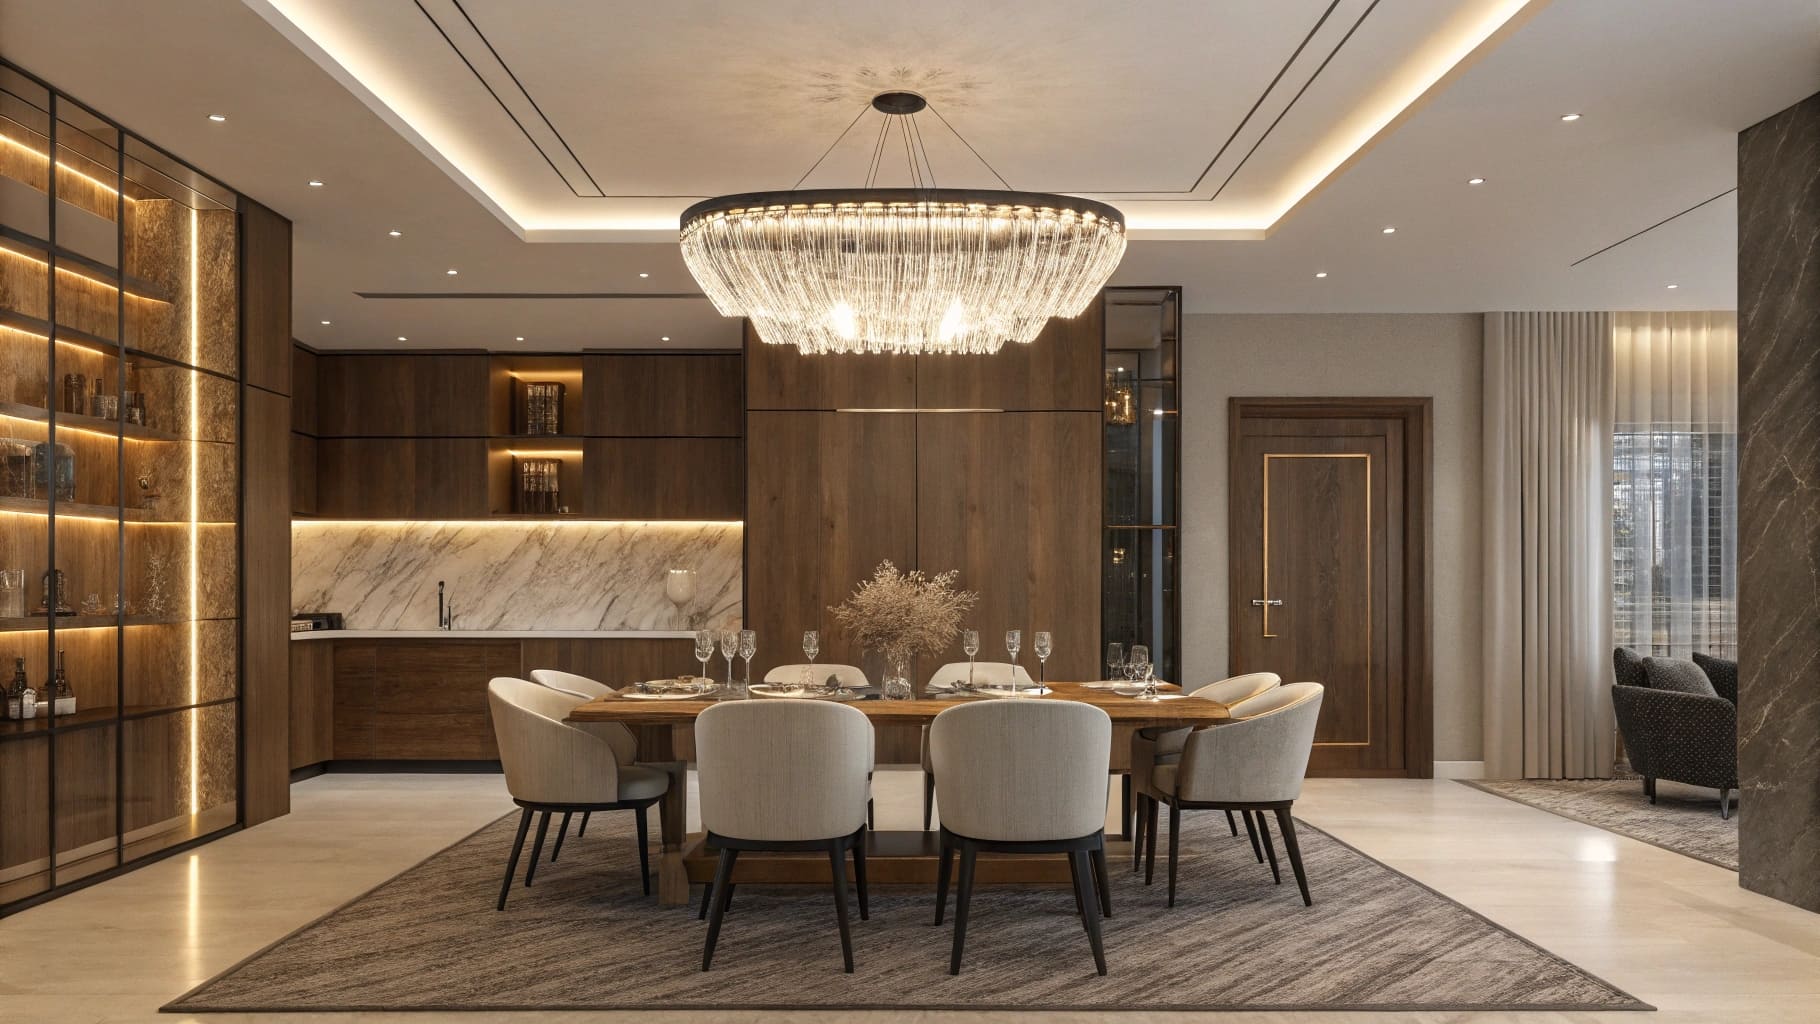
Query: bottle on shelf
x=60 y=695
x=21 y=699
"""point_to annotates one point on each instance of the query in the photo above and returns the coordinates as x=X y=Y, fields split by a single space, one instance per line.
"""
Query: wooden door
x=1328 y=567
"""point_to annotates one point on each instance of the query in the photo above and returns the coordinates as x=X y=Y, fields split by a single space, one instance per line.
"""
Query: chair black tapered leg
x=543 y=826
x=1087 y=895
x=707 y=896
x=1151 y=806
x=561 y=833
x=859 y=877
x=524 y=825
x=961 y=903
x=1175 y=847
x=723 y=891
x=837 y=866
x=1100 y=881
x=928 y=799
x=1232 y=825
x=871 y=814
x=1286 y=823
x=644 y=846
x=1251 y=829
x=944 y=864
x=582 y=830
x=1074 y=881
x=1127 y=806
x=1137 y=833
x=1270 y=849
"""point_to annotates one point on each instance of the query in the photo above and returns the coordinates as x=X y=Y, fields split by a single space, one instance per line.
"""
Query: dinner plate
x=636 y=695
x=995 y=691
x=780 y=693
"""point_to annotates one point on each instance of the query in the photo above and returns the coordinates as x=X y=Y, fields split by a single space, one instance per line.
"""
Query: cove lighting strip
x=515 y=524
x=63 y=166
x=195 y=514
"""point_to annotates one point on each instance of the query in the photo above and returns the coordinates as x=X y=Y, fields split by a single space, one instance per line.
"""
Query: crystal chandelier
x=920 y=269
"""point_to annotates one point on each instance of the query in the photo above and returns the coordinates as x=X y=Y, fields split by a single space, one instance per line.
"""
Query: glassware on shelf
x=12 y=593
x=1045 y=645
x=53 y=469
x=75 y=393
x=21 y=699
x=102 y=405
x=16 y=467
x=55 y=588
x=539 y=486
x=1115 y=661
x=132 y=400
x=59 y=694
x=704 y=648
x=543 y=407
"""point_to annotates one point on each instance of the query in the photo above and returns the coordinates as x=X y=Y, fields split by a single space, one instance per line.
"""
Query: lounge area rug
x=1684 y=819
x=582 y=938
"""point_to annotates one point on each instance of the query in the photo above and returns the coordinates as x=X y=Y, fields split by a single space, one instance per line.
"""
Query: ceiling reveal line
x=1653 y=227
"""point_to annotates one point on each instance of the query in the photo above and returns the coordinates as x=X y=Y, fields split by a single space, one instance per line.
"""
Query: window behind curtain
x=1674 y=484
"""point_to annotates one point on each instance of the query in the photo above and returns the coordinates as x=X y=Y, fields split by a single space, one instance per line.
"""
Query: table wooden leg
x=672 y=880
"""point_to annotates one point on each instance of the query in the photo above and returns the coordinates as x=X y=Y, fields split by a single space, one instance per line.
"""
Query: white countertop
x=495 y=634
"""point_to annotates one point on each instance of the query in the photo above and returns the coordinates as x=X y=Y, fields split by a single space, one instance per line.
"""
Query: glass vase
x=897 y=677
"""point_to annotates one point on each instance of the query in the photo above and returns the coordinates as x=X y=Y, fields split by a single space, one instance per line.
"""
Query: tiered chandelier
x=920 y=269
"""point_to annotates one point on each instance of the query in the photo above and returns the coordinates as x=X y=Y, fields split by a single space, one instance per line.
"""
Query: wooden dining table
x=893 y=857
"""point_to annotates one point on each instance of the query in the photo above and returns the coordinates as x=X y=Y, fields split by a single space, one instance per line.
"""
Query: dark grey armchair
x=1679 y=720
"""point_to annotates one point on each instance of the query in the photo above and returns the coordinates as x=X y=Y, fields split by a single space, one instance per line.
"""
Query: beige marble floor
x=1673 y=931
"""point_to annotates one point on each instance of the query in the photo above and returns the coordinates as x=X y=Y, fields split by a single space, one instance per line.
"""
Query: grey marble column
x=1779 y=505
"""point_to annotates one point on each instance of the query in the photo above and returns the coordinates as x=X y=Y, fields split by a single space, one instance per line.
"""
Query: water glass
x=970 y=642
x=729 y=646
x=704 y=648
x=812 y=644
x=1045 y=644
x=748 y=646
x=1014 y=641
x=1115 y=661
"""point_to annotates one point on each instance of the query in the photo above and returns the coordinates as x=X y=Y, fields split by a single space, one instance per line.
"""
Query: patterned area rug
x=582 y=938
x=1684 y=819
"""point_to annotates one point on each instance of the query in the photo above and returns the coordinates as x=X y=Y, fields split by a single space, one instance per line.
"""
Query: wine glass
x=704 y=648
x=748 y=646
x=1044 y=645
x=1115 y=661
x=812 y=646
x=1137 y=667
x=970 y=642
x=1014 y=641
x=729 y=646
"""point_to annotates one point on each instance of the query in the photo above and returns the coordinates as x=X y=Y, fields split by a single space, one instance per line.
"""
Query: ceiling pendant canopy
x=920 y=269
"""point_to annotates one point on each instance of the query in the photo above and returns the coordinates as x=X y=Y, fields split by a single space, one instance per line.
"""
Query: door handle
x=1266 y=602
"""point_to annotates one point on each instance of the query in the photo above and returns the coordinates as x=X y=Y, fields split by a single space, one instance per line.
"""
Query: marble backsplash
x=517 y=575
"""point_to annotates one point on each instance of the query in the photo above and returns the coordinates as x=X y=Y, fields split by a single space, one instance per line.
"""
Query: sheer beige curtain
x=1675 y=483
x=1547 y=542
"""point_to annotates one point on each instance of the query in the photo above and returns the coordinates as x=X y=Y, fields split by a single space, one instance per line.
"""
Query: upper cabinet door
x=1062 y=370
x=780 y=377
x=403 y=395
x=683 y=394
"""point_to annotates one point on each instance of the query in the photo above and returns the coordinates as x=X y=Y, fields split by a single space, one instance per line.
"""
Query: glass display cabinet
x=119 y=496
x=1139 y=569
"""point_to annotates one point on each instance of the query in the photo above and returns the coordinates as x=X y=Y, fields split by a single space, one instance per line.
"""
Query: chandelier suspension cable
x=924 y=151
x=969 y=145
x=831 y=145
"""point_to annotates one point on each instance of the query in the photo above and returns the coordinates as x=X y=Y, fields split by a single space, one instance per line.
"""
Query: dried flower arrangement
x=899 y=613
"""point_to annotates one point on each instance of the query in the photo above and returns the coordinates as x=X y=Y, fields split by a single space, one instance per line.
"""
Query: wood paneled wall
x=1010 y=497
x=265 y=533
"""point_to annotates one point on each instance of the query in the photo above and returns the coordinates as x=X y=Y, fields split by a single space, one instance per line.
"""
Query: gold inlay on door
x=1266 y=602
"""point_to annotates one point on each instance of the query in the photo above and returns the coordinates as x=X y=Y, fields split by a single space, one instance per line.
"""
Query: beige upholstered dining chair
x=551 y=765
x=850 y=676
x=1254 y=763
x=620 y=738
x=1154 y=746
x=959 y=673
x=1023 y=776
x=784 y=775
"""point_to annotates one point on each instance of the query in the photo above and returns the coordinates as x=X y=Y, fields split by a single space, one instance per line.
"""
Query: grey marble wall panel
x=1779 y=505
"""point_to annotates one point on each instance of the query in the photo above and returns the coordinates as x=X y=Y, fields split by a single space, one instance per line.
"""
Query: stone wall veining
x=517 y=575
x=1779 y=505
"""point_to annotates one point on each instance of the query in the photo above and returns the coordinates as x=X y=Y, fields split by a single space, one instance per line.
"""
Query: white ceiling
x=682 y=98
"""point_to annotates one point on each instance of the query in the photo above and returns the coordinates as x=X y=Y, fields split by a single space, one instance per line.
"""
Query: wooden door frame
x=1417 y=416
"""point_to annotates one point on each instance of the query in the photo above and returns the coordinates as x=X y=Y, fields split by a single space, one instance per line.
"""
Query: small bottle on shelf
x=61 y=696
x=16 y=692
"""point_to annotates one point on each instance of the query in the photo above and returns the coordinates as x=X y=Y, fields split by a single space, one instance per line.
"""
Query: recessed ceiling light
x=642 y=274
x=325 y=323
x=1320 y=273
x=217 y=117
x=1475 y=181
x=1570 y=117
x=520 y=338
x=315 y=183
x=664 y=338
x=451 y=271
x=1674 y=286
x=1390 y=231
x=402 y=338
x=395 y=234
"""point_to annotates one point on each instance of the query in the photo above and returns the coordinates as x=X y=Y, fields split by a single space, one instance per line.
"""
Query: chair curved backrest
x=985 y=673
x=1021 y=770
x=1234 y=689
x=783 y=770
x=547 y=760
x=1260 y=756
x=850 y=676
x=625 y=745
